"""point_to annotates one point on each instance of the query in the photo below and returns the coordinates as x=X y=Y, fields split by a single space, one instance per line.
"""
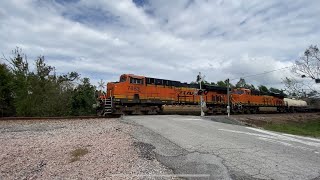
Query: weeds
x=311 y=128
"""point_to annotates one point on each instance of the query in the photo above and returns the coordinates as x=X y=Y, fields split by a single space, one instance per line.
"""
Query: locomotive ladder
x=108 y=105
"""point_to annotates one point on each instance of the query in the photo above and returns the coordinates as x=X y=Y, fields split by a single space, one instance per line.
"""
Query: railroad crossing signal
x=228 y=94
x=101 y=85
x=200 y=79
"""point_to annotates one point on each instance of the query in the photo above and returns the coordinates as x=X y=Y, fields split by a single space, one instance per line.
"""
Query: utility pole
x=228 y=94
x=199 y=79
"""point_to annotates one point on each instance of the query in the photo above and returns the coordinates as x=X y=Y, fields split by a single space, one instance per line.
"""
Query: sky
x=102 y=39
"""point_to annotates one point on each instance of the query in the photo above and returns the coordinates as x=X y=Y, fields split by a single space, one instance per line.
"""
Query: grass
x=311 y=128
x=77 y=153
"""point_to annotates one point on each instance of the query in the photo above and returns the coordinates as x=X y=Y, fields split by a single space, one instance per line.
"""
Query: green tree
x=251 y=87
x=20 y=83
x=263 y=89
x=39 y=92
x=6 y=93
x=275 y=90
x=241 y=83
x=83 y=97
x=222 y=83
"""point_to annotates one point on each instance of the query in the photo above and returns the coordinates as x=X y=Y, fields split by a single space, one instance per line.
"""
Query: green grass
x=311 y=128
x=77 y=153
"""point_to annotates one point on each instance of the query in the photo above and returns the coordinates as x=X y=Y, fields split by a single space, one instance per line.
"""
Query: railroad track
x=117 y=116
x=57 y=118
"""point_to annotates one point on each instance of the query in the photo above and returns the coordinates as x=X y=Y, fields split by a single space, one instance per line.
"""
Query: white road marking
x=187 y=119
x=275 y=141
x=301 y=137
x=286 y=144
x=283 y=139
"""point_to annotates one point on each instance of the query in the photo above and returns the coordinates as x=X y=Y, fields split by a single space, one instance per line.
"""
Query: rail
x=58 y=118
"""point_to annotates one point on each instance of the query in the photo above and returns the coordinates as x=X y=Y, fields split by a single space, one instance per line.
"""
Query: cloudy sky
x=172 y=39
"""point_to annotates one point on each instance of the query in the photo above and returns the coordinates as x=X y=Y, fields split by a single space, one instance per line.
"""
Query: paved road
x=204 y=149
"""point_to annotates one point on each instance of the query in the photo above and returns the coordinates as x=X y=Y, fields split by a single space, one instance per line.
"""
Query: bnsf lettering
x=200 y=92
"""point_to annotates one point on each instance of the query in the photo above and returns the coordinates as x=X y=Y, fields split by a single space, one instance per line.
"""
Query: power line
x=266 y=72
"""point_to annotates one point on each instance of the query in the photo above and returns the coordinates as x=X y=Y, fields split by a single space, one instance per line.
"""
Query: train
x=134 y=94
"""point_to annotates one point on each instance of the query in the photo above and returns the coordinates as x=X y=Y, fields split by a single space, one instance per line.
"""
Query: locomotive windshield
x=135 y=81
x=123 y=78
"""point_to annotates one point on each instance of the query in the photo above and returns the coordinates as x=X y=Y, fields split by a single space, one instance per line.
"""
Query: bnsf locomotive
x=145 y=95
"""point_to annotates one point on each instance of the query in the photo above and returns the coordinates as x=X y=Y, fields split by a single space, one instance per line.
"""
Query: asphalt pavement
x=199 y=148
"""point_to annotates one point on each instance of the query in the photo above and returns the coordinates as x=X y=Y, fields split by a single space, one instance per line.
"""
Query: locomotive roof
x=156 y=81
x=166 y=82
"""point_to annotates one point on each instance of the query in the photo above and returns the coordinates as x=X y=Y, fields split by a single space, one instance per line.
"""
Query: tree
x=275 y=90
x=39 y=92
x=204 y=82
x=222 y=83
x=312 y=94
x=83 y=98
x=19 y=67
x=6 y=93
x=263 y=89
x=241 y=83
x=293 y=87
x=309 y=64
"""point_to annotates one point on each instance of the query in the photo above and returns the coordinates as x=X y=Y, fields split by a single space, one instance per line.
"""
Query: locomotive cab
x=128 y=89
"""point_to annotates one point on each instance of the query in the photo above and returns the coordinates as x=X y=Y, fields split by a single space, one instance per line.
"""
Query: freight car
x=145 y=95
x=295 y=105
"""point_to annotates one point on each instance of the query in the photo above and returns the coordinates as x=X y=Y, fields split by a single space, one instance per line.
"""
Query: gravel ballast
x=75 y=149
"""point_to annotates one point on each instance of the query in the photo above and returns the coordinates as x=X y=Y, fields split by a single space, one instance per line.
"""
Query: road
x=199 y=148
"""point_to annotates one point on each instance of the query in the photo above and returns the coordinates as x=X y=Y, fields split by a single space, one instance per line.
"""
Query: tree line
x=259 y=90
x=41 y=92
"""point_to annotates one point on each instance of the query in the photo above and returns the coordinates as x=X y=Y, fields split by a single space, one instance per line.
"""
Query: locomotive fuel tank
x=182 y=109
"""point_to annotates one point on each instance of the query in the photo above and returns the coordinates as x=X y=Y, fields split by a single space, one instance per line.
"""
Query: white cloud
x=168 y=39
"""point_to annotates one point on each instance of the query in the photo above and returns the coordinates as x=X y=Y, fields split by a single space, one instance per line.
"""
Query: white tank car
x=295 y=103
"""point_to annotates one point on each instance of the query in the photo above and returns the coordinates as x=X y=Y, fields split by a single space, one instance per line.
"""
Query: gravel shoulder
x=75 y=149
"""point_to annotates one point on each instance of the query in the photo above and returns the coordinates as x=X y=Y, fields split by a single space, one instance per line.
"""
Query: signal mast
x=199 y=80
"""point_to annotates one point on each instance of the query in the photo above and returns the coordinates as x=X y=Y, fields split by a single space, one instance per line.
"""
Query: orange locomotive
x=144 y=95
